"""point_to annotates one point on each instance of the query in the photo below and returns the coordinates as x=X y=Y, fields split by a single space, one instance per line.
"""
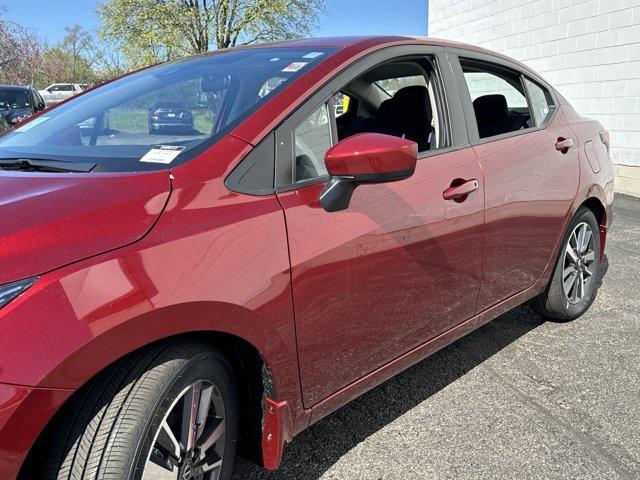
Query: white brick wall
x=588 y=49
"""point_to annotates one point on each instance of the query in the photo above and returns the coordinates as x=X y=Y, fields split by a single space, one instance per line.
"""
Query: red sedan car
x=170 y=300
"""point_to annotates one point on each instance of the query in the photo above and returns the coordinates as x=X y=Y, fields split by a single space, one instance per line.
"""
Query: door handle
x=459 y=192
x=564 y=144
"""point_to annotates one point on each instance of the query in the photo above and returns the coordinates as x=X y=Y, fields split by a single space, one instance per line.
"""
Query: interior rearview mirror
x=365 y=158
x=215 y=83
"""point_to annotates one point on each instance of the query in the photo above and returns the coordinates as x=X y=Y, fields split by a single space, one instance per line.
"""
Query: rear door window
x=499 y=99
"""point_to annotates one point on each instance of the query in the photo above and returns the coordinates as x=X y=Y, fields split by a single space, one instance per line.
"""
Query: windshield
x=149 y=119
x=12 y=98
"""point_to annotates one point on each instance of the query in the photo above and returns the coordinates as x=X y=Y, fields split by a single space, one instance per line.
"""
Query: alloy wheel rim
x=579 y=258
x=189 y=444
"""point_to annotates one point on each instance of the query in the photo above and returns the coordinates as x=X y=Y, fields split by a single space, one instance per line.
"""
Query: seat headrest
x=385 y=108
x=414 y=99
x=409 y=107
x=408 y=114
x=491 y=108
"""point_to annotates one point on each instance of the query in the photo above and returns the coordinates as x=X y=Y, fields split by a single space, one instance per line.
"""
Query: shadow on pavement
x=316 y=449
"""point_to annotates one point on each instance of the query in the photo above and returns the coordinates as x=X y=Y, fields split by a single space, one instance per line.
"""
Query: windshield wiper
x=35 y=165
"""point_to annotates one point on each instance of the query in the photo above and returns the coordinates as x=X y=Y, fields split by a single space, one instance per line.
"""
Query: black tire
x=554 y=302
x=107 y=431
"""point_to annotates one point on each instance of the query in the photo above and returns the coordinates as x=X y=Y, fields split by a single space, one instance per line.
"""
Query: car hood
x=52 y=219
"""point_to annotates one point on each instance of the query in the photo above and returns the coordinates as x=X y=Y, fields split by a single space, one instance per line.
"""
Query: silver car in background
x=61 y=91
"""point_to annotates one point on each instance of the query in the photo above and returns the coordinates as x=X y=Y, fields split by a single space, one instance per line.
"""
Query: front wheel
x=169 y=412
x=574 y=283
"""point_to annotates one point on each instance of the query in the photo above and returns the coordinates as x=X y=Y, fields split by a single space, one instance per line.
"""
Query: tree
x=107 y=59
x=84 y=58
x=157 y=30
x=75 y=44
x=25 y=59
x=20 y=53
x=61 y=66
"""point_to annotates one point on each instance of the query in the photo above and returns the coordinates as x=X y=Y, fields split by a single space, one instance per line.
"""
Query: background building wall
x=588 y=49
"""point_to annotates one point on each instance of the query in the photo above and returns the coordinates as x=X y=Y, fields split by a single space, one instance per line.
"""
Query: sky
x=48 y=18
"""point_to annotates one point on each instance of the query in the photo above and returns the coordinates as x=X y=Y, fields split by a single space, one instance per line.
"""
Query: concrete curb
x=627 y=180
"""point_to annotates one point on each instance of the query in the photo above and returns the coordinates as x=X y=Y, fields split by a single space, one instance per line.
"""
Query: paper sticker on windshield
x=294 y=67
x=313 y=55
x=162 y=154
x=33 y=123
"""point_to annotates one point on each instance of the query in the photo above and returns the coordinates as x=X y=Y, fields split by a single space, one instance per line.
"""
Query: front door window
x=312 y=139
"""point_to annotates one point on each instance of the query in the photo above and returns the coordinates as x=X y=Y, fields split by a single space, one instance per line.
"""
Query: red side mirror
x=372 y=158
x=365 y=158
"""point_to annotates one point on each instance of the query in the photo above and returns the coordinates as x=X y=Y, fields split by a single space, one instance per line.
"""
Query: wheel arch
x=592 y=198
x=594 y=201
x=261 y=351
x=252 y=376
x=218 y=321
x=597 y=207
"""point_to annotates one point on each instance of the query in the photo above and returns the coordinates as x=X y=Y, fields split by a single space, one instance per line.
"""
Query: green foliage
x=141 y=26
x=20 y=52
x=27 y=60
x=130 y=120
x=135 y=120
x=62 y=66
x=153 y=31
x=138 y=33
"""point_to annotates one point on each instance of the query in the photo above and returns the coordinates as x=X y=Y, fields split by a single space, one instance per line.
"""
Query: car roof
x=350 y=41
x=14 y=87
x=372 y=42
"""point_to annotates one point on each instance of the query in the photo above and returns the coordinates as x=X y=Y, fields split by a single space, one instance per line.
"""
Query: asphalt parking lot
x=519 y=398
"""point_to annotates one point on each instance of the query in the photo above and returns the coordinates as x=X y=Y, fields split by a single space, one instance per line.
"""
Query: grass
x=136 y=120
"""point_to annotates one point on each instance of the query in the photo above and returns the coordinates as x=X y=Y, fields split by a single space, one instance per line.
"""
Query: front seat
x=408 y=114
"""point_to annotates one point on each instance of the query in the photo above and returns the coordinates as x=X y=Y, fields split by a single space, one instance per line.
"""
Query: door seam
x=293 y=302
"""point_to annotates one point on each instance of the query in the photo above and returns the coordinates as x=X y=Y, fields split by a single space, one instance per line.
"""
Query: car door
x=54 y=93
x=531 y=181
x=47 y=96
x=59 y=92
x=400 y=265
x=66 y=91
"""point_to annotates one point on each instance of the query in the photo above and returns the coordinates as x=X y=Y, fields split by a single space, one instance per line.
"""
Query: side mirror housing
x=362 y=159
